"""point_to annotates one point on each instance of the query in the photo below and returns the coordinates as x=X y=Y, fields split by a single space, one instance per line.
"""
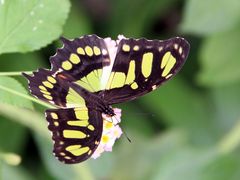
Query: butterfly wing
x=76 y=133
x=142 y=65
x=80 y=61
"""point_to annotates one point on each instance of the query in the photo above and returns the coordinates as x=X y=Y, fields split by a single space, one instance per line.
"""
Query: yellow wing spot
x=66 y=65
x=168 y=76
x=74 y=134
x=91 y=127
x=54 y=115
x=47 y=84
x=72 y=147
x=168 y=64
x=47 y=97
x=89 y=50
x=81 y=114
x=165 y=59
x=136 y=48
x=96 y=51
x=94 y=81
x=118 y=80
x=110 y=80
x=51 y=79
x=80 y=51
x=74 y=99
x=180 y=50
x=131 y=72
x=79 y=151
x=42 y=88
x=74 y=58
x=147 y=64
x=45 y=92
x=56 y=123
x=78 y=123
x=126 y=48
x=134 y=85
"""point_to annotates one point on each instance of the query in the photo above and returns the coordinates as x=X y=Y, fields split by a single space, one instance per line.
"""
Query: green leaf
x=21 y=62
x=226 y=101
x=9 y=98
x=137 y=160
x=138 y=18
x=78 y=23
x=178 y=105
x=220 y=59
x=14 y=172
x=169 y=157
x=27 y=25
x=17 y=136
x=209 y=17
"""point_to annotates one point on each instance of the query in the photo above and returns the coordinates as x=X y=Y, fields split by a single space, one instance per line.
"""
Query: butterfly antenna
x=124 y=132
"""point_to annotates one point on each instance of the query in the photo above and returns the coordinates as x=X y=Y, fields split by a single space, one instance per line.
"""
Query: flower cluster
x=111 y=132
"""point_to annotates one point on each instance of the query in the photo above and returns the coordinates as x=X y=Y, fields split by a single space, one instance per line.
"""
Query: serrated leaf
x=27 y=25
x=10 y=98
x=209 y=17
x=220 y=59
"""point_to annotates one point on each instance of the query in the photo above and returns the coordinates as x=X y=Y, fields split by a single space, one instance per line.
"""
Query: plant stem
x=26 y=97
x=231 y=141
x=18 y=73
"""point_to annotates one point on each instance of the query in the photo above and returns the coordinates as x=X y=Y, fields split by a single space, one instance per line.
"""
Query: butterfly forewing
x=76 y=132
x=81 y=61
x=143 y=65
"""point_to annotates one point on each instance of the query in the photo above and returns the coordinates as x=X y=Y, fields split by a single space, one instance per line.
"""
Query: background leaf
x=220 y=59
x=24 y=23
x=210 y=17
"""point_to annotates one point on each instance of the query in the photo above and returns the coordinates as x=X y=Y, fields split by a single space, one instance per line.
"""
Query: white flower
x=111 y=132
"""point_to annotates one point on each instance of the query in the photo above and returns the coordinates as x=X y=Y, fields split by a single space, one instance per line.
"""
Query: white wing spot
x=104 y=52
x=154 y=87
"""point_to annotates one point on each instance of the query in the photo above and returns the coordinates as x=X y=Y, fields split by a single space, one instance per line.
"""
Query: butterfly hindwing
x=142 y=65
x=76 y=132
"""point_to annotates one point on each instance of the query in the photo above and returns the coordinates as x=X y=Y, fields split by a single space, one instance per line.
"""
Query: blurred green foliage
x=187 y=129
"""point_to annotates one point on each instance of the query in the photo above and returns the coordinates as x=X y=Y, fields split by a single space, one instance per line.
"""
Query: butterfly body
x=89 y=74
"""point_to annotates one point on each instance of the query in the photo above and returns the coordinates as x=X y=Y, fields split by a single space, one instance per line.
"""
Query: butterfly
x=89 y=74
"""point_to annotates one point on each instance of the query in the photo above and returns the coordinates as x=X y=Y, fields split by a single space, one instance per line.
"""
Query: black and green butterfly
x=87 y=77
